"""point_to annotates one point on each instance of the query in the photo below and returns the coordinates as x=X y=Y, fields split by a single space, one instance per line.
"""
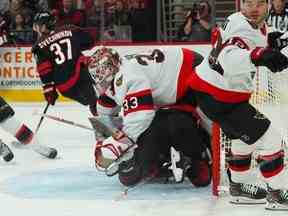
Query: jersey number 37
x=60 y=52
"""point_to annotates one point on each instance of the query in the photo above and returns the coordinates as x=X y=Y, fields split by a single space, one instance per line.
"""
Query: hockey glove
x=111 y=149
x=270 y=58
x=50 y=93
x=276 y=40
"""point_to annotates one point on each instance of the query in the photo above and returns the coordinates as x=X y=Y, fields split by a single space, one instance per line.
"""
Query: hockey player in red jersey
x=60 y=63
x=22 y=133
x=223 y=84
x=141 y=84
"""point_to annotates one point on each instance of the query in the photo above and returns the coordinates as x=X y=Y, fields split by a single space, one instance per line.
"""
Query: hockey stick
x=42 y=118
x=41 y=149
x=65 y=121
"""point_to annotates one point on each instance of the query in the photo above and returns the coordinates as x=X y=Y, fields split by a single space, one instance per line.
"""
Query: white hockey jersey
x=143 y=84
x=235 y=84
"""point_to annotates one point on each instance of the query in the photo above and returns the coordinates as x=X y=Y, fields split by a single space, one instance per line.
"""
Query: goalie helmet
x=103 y=65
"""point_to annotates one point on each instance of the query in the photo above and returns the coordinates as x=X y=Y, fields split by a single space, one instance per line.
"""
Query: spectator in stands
x=69 y=14
x=278 y=16
x=142 y=21
x=4 y=5
x=197 y=26
x=37 y=5
x=22 y=32
x=19 y=6
x=4 y=26
x=54 y=5
x=120 y=28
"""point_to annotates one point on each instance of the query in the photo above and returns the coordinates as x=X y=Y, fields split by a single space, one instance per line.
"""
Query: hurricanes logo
x=119 y=81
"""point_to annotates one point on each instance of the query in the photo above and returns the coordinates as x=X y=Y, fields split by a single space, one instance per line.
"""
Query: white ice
x=70 y=185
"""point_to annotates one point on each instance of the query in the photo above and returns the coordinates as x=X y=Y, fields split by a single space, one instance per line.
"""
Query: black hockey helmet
x=46 y=18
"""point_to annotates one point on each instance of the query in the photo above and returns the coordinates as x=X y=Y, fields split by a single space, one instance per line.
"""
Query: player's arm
x=44 y=65
x=138 y=106
x=45 y=71
x=108 y=114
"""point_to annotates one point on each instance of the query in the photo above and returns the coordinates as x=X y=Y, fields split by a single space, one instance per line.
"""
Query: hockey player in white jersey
x=223 y=84
x=23 y=134
x=141 y=84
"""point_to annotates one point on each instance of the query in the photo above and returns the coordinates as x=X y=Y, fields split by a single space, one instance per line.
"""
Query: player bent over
x=223 y=85
x=60 y=63
x=140 y=84
x=21 y=132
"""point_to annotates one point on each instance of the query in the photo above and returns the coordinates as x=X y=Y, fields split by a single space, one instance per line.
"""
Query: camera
x=196 y=8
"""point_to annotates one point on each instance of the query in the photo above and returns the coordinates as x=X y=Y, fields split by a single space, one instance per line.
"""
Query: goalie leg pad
x=24 y=134
x=6 y=111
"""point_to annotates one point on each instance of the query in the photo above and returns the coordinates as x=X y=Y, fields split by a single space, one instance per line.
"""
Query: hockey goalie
x=160 y=125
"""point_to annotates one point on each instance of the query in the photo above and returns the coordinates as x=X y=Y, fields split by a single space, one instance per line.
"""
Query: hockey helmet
x=103 y=65
x=45 y=18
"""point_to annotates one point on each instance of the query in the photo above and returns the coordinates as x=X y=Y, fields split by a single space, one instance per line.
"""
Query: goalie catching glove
x=110 y=152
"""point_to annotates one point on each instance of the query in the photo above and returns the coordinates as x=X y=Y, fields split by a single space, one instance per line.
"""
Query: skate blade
x=276 y=207
x=246 y=201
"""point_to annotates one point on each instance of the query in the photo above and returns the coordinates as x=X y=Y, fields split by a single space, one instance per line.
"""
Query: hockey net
x=270 y=97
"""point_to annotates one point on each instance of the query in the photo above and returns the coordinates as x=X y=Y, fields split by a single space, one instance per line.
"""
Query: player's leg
x=144 y=163
x=194 y=142
x=271 y=159
x=21 y=131
x=257 y=131
x=247 y=125
x=10 y=124
x=238 y=122
x=83 y=91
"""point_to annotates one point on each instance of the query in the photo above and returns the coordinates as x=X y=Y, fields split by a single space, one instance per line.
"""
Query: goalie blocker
x=170 y=128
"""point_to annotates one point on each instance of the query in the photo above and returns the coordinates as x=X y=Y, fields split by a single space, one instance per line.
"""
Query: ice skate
x=243 y=193
x=277 y=200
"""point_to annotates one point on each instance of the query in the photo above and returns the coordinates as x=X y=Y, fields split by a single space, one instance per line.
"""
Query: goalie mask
x=103 y=65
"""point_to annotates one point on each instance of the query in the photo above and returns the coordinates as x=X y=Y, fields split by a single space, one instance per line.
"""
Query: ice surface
x=70 y=185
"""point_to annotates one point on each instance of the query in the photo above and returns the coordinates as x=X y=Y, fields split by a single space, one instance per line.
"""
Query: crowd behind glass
x=121 y=20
